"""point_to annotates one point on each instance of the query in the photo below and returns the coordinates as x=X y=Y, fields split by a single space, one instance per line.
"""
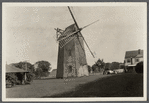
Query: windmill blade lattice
x=67 y=35
x=62 y=43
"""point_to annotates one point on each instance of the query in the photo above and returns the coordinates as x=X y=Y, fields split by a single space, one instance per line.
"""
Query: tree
x=95 y=68
x=102 y=64
x=114 y=65
x=44 y=65
x=24 y=66
x=122 y=66
x=43 y=68
x=107 y=66
x=89 y=68
x=38 y=72
x=99 y=64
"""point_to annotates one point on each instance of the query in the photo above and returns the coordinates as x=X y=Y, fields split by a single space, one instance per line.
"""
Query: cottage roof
x=13 y=69
x=139 y=56
x=134 y=54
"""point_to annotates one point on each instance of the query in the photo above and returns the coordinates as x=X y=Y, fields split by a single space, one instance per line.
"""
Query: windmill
x=71 y=53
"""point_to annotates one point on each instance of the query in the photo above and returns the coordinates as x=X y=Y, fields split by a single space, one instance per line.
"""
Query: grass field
x=120 y=85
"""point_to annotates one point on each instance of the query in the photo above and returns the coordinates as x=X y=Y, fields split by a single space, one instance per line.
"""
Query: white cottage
x=132 y=58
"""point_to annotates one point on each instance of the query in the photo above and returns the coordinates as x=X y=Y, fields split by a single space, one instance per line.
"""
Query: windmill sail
x=73 y=17
x=69 y=30
x=75 y=32
x=80 y=32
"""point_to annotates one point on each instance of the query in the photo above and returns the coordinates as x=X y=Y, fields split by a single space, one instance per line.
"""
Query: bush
x=89 y=68
x=45 y=74
x=95 y=68
x=12 y=78
x=139 y=67
x=30 y=77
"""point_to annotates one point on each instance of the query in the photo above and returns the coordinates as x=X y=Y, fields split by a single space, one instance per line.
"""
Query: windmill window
x=69 y=69
x=137 y=60
x=128 y=60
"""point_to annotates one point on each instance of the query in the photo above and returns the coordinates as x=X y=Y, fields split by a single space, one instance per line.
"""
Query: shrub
x=30 y=77
x=139 y=67
x=12 y=78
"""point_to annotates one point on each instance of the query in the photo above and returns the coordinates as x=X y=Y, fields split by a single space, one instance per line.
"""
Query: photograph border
x=76 y=99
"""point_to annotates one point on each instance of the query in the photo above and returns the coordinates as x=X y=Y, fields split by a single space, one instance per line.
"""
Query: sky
x=28 y=31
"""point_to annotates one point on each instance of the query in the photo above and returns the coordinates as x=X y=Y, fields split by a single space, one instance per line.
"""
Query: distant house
x=132 y=58
x=53 y=73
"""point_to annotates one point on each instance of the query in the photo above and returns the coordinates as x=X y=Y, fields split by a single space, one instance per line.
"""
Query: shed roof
x=13 y=69
x=133 y=54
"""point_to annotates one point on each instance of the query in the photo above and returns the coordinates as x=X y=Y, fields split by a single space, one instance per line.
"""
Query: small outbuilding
x=53 y=73
x=19 y=73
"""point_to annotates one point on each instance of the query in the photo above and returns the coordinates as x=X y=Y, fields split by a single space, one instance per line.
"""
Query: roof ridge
x=132 y=53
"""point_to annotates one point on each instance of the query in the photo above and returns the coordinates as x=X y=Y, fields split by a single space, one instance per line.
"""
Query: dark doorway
x=70 y=69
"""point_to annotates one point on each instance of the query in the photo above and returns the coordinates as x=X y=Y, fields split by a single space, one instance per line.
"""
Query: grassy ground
x=120 y=85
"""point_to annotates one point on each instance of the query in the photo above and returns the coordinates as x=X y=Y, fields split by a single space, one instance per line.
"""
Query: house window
x=137 y=60
x=128 y=60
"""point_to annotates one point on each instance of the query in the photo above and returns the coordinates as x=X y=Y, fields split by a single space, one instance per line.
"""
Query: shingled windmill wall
x=70 y=57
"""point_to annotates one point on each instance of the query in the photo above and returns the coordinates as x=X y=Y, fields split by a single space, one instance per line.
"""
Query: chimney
x=139 y=51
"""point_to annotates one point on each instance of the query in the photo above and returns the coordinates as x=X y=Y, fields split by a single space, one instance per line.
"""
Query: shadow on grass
x=121 y=85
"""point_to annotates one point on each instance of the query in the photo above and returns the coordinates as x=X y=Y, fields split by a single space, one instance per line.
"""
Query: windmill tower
x=71 y=53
